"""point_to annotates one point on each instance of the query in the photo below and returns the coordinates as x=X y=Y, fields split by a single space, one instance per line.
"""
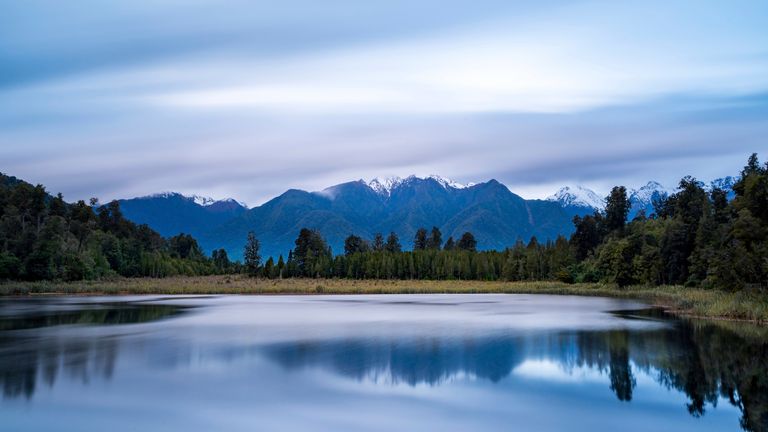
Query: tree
x=221 y=260
x=587 y=235
x=420 y=239
x=378 y=242
x=185 y=246
x=467 y=242
x=435 y=240
x=616 y=209
x=44 y=237
x=355 y=244
x=393 y=243
x=280 y=266
x=449 y=244
x=269 y=268
x=310 y=253
x=251 y=255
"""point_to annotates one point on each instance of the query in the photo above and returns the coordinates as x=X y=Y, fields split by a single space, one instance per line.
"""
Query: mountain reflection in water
x=707 y=362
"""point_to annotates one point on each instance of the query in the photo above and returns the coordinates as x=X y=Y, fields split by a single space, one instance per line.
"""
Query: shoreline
x=696 y=303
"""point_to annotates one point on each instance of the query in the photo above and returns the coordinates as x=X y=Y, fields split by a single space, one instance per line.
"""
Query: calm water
x=383 y=363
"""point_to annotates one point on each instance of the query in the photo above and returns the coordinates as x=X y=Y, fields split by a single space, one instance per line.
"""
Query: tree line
x=42 y=237
x=694 y=237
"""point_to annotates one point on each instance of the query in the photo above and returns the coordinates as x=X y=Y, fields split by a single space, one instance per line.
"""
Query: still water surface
x=374 y=363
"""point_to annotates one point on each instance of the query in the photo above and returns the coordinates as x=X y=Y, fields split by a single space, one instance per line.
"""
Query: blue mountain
x=496 y=216
x=173 y=213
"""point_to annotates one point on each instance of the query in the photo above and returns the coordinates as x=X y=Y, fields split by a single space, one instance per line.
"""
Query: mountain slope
x=496 y=216
x=173 y=213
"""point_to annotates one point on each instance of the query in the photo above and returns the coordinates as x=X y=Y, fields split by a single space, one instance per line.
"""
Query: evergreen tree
x=311 y=253
x=378 y=242
x=435 y=240
x=393 y=243
x=355 y=244
x=616 y=209
x=467 y=242
x=251 y=255
x=280 y=267
x=420 y=239
x=269 y=269
x=221 y=260
x=587 y=235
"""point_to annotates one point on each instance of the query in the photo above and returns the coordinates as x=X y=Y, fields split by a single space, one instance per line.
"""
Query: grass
x=744 y=306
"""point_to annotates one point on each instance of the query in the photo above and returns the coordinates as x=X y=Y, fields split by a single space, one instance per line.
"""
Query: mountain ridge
x=497 y=216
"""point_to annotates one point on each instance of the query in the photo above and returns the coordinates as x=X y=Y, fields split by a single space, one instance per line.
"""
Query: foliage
x=251 y=255
x=694 y=238
x=44 y=238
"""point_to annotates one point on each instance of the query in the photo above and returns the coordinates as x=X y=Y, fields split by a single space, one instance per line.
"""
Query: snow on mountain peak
x=647 y=193
x=201 y=200
x=385 y=185
x=578 y=196
x=448 y=183
x=197 y=199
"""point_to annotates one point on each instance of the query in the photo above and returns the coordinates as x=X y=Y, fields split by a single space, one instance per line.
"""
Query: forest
x=42 y=237
x=694 y=237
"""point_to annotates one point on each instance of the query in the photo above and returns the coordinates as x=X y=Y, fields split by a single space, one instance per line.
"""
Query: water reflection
x=23 y=370
x=31 y=317
x=706 y=362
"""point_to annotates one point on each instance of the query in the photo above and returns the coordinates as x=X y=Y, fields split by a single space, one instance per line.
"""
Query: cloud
x=253 y=98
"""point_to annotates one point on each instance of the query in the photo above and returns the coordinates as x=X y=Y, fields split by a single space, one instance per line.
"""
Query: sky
x=248 y=98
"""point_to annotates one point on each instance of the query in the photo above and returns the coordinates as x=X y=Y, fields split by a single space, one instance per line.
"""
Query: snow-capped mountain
x=171 y=213
x=203 y=201
x=642 y=199
x=495 y=215
x=578 y=200
x=385 y=185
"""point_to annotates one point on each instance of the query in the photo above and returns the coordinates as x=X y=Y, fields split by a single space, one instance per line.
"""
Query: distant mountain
x=171 y=213
x=496 y=216
x=578 y=200
x=641 y=200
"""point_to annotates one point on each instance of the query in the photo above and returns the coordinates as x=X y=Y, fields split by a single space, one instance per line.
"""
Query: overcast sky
x=246 y=98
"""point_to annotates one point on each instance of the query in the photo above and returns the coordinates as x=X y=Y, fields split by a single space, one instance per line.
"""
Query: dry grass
x=685 y=301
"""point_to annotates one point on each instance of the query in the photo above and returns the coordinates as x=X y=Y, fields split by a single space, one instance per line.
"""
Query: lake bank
x=695 y=302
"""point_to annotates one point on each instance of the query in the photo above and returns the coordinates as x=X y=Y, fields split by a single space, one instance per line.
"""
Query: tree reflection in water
x=705 y=361
x=25 y=359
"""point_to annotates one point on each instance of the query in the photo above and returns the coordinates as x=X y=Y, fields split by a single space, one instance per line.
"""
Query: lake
x=374 y=363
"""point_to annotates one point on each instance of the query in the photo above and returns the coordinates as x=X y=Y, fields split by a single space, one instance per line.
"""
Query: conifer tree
x=420 y=239
x=355 y=244
x=393 y=243
x=251 y=255
x=616 y=208
x=435 y=240
x=467 y=242
x=378 y=242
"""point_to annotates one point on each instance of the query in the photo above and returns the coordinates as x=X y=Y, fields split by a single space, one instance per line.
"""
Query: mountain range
x=494 y=214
